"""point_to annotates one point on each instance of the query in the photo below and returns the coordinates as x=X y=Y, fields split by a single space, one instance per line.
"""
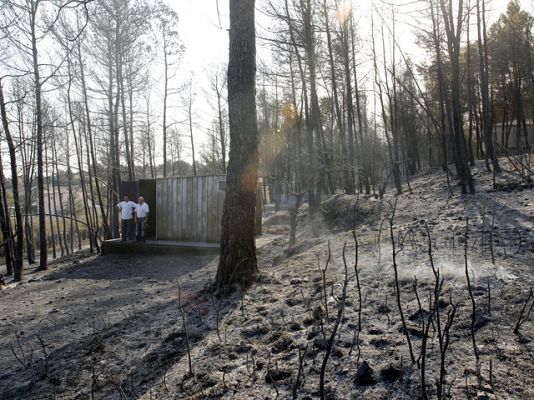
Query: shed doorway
x=147 y=189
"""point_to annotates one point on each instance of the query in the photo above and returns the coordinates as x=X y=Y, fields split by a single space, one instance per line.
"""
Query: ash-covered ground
x=120 y=327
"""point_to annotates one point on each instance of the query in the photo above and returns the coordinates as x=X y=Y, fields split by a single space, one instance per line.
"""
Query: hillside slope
x=272 y=340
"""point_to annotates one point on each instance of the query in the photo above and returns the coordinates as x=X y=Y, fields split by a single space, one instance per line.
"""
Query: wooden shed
x=183 y=209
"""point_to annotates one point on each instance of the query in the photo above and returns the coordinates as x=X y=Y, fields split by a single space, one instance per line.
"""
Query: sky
x=204 y=32
x=206 y=41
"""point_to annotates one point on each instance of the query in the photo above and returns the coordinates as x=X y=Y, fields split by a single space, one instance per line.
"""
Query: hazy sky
x=206 y=43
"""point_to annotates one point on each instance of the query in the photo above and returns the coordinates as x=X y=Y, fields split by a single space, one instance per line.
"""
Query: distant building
x=186 y=209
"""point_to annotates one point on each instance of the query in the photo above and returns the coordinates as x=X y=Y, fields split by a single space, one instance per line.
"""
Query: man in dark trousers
x=127 y=208
x=141 y=215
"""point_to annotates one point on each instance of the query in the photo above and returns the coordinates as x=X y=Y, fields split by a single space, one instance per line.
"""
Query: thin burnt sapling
x=186 y=332
x=45 y=355
x=356 y=269
x=341 y=308
x=356 y=338
x=272 y=375
x=438 y=285
x=217 y=305
x=522 y=316
x=25 y=361
x=300 y=372
x=323 y=278
x=426 y=324
x=451 y=313
x=379 y=241
x=488 y=285
x=394 y=253
x=94 y=380
x=492 y=231
x=473 y=305
x=443 y=331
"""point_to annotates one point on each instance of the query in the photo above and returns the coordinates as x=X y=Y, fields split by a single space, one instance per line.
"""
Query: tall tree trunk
x=72 y=202
x=347 y=176
x=54 y=201
x=19 y=235
x=237 y=262
x=79 y=157
x=470 y=149
x=348 y=103
x=363 y=133
x=5 y=224
x=395 y=129
x=453 y=30
x=92 y=223
x=60 y=195
x=165 y=95
x=190 y=114
x=484 y=83
x=120 y=95
x=222 y=133
x=300 y=175
x=149 y=143
x=113 y=197
x=444 y=105
x=131 y=119
x=43 y=251
x=307 y=174
x=391 y=134
x=49 y=200
x=103 y=214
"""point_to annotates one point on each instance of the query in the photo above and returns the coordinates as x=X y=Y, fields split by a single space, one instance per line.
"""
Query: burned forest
x=266 y=199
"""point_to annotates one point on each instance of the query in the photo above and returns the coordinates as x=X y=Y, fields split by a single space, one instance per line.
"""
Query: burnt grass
x=110 y=327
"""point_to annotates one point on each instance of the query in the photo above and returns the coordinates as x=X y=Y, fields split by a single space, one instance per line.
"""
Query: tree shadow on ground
x=116 y=267
x=127 y=358
x=126 y=355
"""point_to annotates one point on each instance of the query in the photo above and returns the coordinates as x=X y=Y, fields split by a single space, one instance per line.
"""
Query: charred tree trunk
x=51 y=180
x=103 y=215
x=60 y=194
x=49 y=201
x=19 y=236
x=190 y=115
x=348 y=181
x=79 y=158
x=165 y=96
x=5 y=224
x=92 y=224
x=149 y=143
x=349 y=104
x=470 y=149
x=484 y=83
x=307 y=175
x=237 y=263
x=362 y=130
x=43 y=254
x=113 y=197
x=453 y=30
x=72 y=203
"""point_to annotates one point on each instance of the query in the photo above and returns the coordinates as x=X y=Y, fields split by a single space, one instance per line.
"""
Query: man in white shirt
x=141 y=215
x=127 y=208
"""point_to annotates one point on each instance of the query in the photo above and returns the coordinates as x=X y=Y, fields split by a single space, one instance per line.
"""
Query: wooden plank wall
x=189 y=208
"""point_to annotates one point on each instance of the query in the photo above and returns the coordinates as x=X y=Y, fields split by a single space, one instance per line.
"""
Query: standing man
x=127 y=208
x=141 y=214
